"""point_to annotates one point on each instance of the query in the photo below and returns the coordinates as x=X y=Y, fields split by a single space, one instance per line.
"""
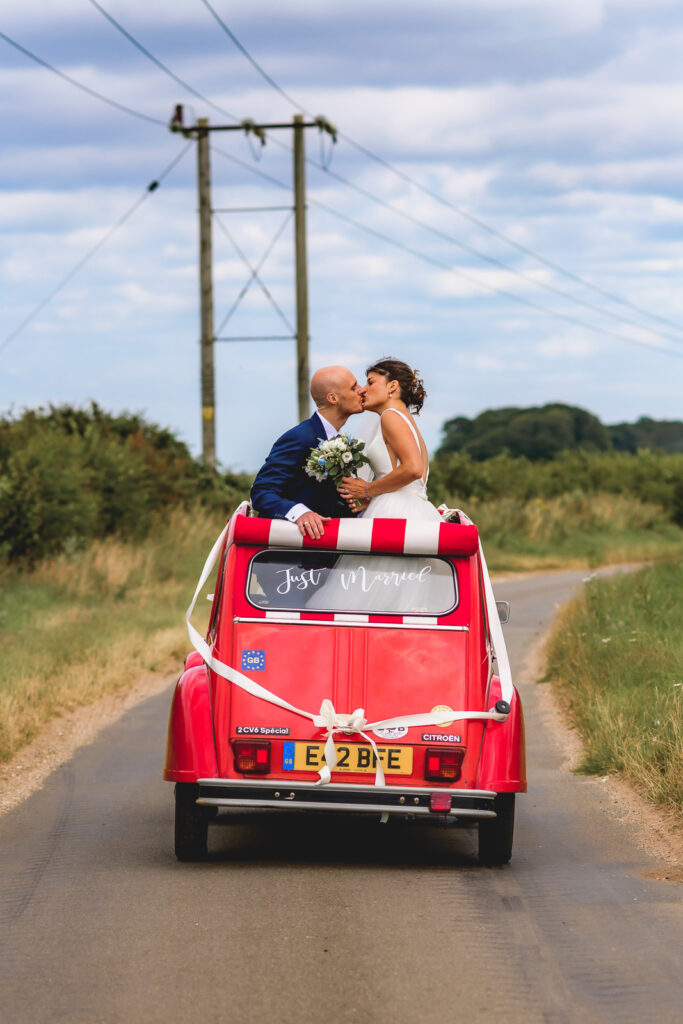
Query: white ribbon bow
x=333 y=722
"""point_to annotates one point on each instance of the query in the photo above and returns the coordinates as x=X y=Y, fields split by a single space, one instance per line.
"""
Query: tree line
x=71 y=475
x=538 y=433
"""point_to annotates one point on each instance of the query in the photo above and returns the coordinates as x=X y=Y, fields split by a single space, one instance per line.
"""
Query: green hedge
x=649 y=477
x=70 y=475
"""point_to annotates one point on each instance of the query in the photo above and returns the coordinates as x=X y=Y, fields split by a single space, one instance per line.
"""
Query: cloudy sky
x=519 y=129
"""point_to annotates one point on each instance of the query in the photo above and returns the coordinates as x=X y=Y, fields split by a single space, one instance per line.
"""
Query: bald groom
x=282 y=489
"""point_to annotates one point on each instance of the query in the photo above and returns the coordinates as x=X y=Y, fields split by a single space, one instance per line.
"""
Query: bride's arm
x=398 y=435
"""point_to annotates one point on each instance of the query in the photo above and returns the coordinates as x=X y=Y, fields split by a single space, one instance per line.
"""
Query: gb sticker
x=254 y=661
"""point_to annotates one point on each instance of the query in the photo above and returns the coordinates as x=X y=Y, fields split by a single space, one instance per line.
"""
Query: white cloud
x=569 y=345
x=486 y=363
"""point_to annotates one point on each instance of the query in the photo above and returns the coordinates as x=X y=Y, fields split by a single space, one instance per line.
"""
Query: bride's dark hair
x=412 y=387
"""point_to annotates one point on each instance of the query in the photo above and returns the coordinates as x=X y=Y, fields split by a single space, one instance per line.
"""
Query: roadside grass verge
x=573 y=530
x=616 y=654
x=89 y=623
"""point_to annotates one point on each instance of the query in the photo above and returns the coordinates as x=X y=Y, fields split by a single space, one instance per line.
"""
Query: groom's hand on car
x=312 y=524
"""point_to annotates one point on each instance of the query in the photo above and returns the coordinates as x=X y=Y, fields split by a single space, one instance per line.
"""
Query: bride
x=397 y=452
x=398 y=459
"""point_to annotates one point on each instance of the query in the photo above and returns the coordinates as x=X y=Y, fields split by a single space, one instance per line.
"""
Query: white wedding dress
x=409 y=502
x=394 y=584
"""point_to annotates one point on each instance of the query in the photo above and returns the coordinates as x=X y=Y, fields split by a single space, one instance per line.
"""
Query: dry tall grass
x=573 y=529
x=89 y=623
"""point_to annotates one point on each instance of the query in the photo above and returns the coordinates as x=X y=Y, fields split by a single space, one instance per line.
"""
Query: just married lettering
x=350 y=578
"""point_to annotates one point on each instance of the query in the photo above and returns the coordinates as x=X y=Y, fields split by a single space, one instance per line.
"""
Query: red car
x=349 y=674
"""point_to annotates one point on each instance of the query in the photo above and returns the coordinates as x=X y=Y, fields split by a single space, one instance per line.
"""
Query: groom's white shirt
x=299 y=509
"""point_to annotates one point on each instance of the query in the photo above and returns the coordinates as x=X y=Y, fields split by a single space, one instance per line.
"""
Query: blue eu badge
x=288 y=756
x=253 y=661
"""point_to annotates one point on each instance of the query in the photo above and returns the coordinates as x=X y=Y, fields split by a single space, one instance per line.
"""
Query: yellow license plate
x=351 y=757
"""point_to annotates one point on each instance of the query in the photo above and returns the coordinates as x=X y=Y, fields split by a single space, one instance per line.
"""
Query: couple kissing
x=397 y=453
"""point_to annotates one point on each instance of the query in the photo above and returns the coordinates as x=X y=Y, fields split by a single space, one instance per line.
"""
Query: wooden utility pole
x=302 y=371
x=206 y=295
x=201 y=131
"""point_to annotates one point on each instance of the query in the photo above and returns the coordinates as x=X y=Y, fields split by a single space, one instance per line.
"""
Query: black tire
x=191 y=823
x=495 y=834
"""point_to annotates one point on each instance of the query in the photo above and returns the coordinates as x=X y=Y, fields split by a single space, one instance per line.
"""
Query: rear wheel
x=495 y=834
x=191 y=823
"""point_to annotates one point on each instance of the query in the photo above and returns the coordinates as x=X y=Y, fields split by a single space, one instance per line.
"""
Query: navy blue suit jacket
x=281 y=481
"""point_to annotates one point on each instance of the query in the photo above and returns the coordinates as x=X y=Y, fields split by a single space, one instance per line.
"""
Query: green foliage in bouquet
x=337 y=457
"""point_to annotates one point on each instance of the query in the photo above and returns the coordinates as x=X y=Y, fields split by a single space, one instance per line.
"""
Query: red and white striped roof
x=390 y=536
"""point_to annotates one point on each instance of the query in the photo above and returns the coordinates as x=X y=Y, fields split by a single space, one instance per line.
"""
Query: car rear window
x=331 y=581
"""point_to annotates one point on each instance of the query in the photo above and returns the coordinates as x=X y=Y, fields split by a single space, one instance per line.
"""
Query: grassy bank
x=617 y=655
x=87 y=623
x=573 y=530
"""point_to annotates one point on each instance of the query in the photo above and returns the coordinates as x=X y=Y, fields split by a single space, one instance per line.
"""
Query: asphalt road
x=299 y=920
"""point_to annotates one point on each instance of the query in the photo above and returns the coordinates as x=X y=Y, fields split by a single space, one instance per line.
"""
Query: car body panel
x=190 y=744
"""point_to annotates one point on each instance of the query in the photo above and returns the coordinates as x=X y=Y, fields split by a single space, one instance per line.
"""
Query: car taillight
x=441 y=801
x=443 y=765
x=252 y=756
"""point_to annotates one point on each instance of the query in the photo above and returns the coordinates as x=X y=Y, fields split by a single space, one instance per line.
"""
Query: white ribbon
x=495 y=628
x=328 y=718
x=357 y=723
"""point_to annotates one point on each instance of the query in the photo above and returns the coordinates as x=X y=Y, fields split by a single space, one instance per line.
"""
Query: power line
x=492 y=288
x=152 y=187
x=505 y=238
x=440 y=199
x=250 y=168
x=490 y=259
x=425 y=258
x=264 y=74
x=485 y=256
x=143 y=49
x=79 y=85
x=471 y=249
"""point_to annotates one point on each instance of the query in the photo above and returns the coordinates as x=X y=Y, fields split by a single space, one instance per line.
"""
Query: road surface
x=307 y=921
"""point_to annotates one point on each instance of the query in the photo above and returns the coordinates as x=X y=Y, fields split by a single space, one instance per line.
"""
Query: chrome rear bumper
x=274 y=794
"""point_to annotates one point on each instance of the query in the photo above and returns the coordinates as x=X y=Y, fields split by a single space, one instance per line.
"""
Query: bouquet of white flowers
x=340 y=456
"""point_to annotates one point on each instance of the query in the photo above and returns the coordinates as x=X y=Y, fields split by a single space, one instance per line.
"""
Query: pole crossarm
x=248 y=126
x=249 y=209
x=259 y=337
